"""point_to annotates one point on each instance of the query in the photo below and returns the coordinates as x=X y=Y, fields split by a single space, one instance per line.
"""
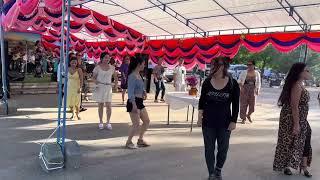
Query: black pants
x=160 y=86
x=149 y=74
x=210 y=137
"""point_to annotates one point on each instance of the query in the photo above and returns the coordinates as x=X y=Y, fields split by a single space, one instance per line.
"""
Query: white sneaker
x=109 y=127
x=101 y=126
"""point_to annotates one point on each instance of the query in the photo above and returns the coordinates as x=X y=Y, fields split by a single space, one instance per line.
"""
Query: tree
x=271 y=58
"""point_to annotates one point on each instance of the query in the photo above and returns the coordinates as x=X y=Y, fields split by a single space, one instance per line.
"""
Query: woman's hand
x=145 y=95
x=232 y=126
x=296 y=129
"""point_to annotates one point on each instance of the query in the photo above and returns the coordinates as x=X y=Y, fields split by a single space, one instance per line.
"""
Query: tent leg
x=3 y=62
x=305 y=58
x=66 y=78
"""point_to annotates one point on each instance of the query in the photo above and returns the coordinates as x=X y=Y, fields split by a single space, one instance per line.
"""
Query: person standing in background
x=250 y=85
x=102 y=75
x=158 y=74
x=149 y=75
x=114 y=63
x=124 y=76
x=75 y=80
x=82 y=66
x=179 y=76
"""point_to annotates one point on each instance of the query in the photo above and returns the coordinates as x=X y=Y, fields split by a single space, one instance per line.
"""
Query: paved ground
x=175 y=153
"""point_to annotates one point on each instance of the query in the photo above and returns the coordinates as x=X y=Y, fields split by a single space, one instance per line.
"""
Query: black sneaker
x=211 y=177
x=217 y=174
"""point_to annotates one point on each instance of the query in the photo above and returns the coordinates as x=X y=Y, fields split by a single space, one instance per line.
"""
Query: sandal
x=249 y=118
x=130 y=145
x=142 y=143
x=305 y=171
x=287 y=171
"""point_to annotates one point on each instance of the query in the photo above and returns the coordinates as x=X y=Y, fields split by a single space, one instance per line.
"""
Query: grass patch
x=31 y=79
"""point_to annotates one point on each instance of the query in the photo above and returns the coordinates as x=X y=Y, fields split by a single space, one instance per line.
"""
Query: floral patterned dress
x=290 y=148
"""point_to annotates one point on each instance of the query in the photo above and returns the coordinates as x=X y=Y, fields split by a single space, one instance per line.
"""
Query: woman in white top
x=250 y=84
x=102 y=74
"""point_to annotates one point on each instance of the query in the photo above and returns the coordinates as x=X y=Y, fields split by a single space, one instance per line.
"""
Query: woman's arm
x=294 y=103
x=235 y=101
x=95 y=74
x=131 y=87
x=258 y=85
x=202 y=101
x=242 y=78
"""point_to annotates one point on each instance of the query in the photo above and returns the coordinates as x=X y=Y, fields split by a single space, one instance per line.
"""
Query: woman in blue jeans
x=216 y=117
x=158 y=74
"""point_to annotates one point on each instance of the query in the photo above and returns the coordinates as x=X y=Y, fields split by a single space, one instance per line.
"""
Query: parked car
x=236 y=69
x=276 y=79
x=168 y=73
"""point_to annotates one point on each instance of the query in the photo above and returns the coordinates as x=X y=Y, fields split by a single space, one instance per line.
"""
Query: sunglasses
x=249 y=64
x=219 y=63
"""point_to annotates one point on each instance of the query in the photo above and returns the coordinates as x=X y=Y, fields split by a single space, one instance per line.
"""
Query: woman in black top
x=218 y=92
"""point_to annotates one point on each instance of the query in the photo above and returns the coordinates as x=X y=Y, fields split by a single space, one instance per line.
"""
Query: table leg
x=188 y=113
x=192 y=119
x=168 y=118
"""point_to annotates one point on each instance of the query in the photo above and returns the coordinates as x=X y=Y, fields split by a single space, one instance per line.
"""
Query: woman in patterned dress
x=250 y=85
x=293 y=149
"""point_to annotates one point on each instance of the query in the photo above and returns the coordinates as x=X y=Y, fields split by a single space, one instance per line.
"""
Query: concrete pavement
x=175 y=154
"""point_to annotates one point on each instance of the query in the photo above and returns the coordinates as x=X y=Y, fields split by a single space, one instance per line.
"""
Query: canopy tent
x=188 y=18
x=197 y=30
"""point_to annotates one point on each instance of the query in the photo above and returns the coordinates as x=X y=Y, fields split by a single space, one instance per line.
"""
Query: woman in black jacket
x=218 y=92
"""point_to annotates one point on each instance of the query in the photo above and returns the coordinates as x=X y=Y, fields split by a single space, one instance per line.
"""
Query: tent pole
x=27 y=57
x=305 y=58
x=61 y=69
x=66 y=76
x=3 y=62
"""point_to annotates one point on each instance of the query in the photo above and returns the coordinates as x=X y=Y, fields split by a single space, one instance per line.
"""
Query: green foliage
x=271 y=58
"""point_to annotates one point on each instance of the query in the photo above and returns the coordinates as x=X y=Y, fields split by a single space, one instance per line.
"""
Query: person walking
x=102 y=75
x=293 y=148
x=75 y=80
x=135 y=106
x=124 y=76
x=216 y=116
x=158 y=74
x=179 y=76
x=84 y=87
x=250 y=85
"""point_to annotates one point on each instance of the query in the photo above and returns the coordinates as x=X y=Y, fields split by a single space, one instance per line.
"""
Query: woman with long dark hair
x=216 y=117
x=135 y=106
x=293 y=149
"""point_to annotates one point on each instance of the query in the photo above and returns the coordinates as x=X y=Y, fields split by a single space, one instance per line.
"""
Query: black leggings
x=160 y=86
x=307 y=145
